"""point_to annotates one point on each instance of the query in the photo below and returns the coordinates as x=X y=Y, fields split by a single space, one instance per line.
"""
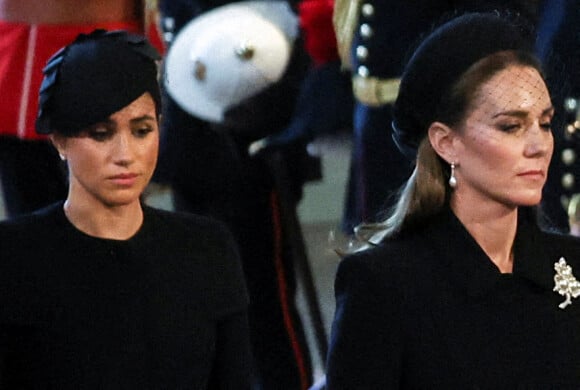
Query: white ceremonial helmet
x=229 y=54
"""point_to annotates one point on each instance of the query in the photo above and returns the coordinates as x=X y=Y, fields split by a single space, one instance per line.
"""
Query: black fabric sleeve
x=233 y=360
x=366 y=340
x=2 y=357
x=229 y=282
x=232 y=368
x=211 y=247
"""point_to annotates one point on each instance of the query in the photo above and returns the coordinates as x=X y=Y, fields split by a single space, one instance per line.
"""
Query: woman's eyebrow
x=522 y=113
x=142 y=118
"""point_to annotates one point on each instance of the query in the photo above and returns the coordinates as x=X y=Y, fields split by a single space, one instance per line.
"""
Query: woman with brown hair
x=459 y=287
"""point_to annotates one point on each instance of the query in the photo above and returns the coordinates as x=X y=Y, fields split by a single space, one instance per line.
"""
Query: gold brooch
x=566 y=283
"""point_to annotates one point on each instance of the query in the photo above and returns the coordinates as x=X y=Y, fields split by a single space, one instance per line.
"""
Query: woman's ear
x=59 y=143
x=442 y=139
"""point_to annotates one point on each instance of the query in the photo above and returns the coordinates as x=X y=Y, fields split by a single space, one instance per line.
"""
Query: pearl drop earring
x=452 y=179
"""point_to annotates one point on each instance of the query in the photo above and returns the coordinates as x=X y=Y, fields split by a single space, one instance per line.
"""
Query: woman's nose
x=539 y=140
x=123 y=150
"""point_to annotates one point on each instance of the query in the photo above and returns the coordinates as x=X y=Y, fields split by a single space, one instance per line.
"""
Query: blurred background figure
x=324 y=103
x=373 y=39
x=232 y=75
x=30 y=31
x=557 y=47
x=574 y=215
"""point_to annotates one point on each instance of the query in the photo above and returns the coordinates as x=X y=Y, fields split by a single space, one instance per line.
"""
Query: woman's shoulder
x=42 y=220
x=399 y=248
x=564 y=238
x=186 y=220
x=206 y=247
x=182 y=223
x=203 y=238
x=26 y=239
x=564 y=245
x=392 y=258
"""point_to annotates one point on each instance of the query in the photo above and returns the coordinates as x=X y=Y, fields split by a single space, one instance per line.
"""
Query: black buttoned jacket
x=429 y=310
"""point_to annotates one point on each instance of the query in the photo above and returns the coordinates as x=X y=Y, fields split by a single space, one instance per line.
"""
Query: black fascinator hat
x=441 y=59
x=93 y=77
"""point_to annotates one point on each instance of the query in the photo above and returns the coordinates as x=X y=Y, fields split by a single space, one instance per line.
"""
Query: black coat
x=429 y=310
x=165 y=309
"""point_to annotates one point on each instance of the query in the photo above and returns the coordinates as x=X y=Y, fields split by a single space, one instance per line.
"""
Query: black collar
x=474 y=272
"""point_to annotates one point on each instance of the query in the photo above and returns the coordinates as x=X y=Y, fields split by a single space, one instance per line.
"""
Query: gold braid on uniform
x=150 y=14
x=372 y=91
x=344 y=19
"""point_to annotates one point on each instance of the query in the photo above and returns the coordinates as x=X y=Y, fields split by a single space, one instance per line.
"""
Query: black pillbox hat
x=440 y=60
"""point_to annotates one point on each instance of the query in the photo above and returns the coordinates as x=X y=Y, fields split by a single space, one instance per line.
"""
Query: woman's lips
x=124 y=179
x=532 y=174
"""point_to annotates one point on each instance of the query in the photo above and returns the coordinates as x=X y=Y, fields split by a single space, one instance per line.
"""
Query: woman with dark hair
x=30 y=32
x=459 y=287
x=100 y=291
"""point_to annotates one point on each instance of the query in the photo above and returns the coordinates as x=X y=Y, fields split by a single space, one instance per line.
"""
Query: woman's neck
x=116 y=223
x=493 y=226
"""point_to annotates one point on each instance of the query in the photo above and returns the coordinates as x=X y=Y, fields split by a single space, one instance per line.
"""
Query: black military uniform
x=211 y=173
x=559 y=39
